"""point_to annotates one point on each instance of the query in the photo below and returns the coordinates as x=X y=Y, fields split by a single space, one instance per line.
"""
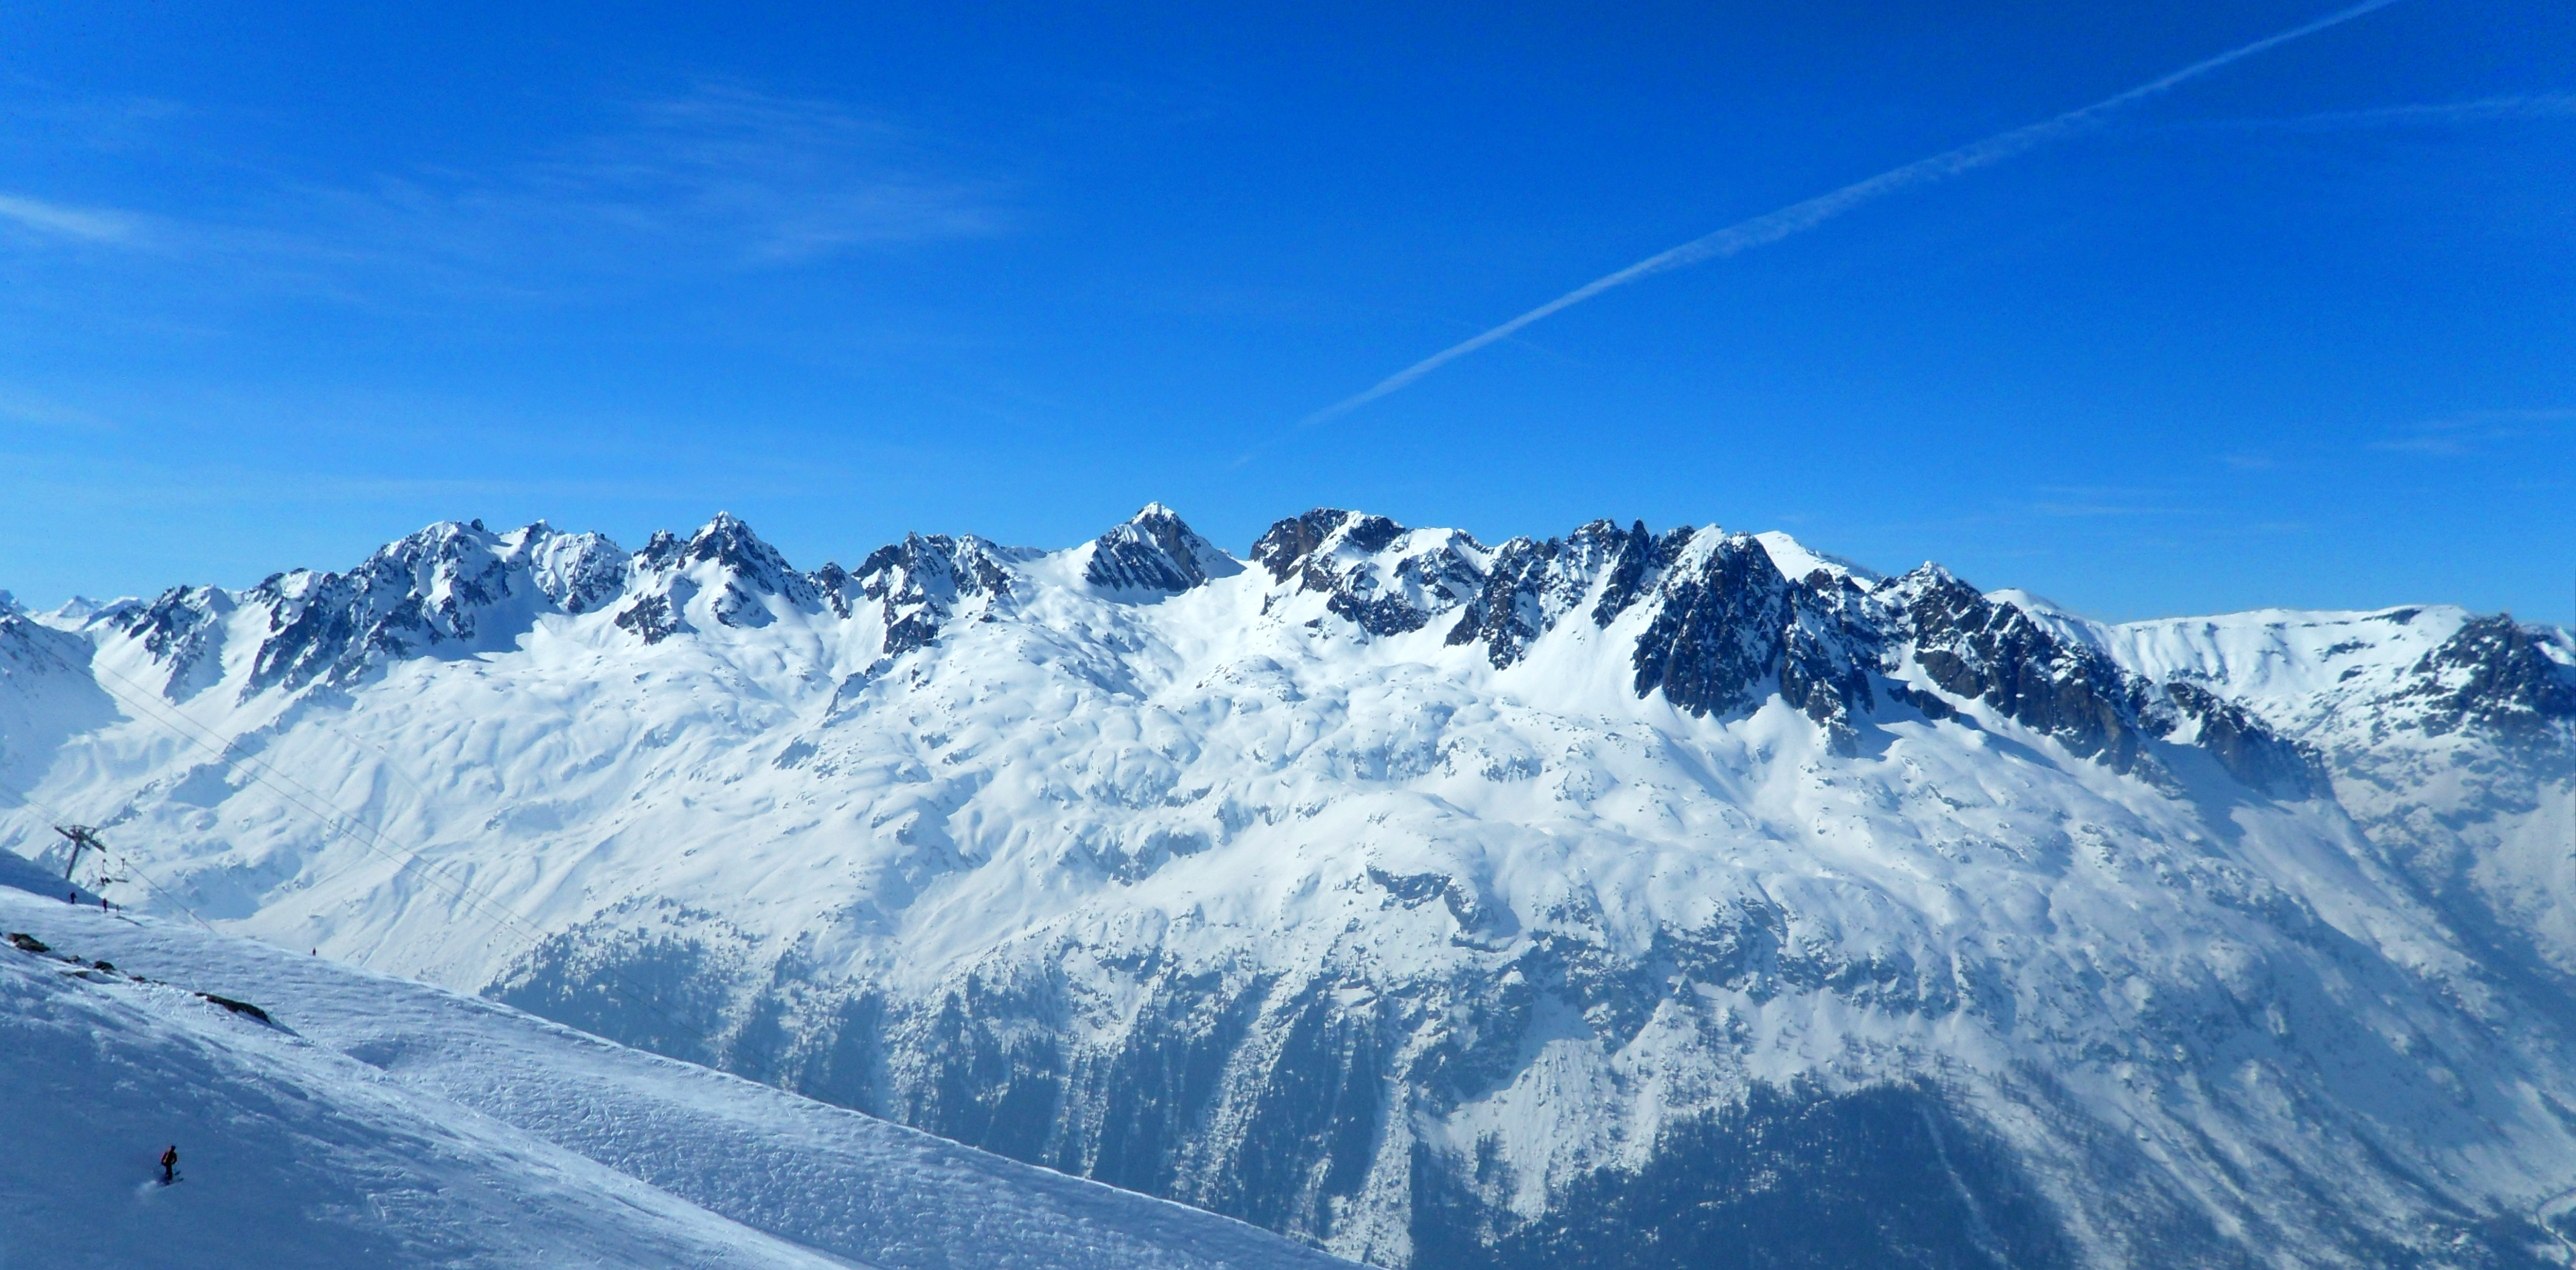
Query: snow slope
x=381 y=1122
x=1436 y=902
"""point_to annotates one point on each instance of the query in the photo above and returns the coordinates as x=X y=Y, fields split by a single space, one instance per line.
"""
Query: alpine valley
x=1633 y=898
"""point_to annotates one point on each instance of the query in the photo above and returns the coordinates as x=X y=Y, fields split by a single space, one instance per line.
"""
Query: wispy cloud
x=789 y=180
x=2474 y=432
x=720 y=178
x=2098 y=501
x=1799 y=217
x=62 y=220
x=34 y=410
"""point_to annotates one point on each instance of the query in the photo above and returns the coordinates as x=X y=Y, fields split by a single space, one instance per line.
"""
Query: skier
x=170 y=1164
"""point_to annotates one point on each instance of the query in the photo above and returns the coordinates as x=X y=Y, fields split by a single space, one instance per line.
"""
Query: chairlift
x=82 y=838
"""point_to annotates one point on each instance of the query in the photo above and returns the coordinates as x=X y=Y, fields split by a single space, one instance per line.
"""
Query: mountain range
x=1633 y=897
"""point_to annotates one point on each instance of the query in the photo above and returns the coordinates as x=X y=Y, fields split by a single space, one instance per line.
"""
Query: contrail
x=1771 y=227
x=2482 y=110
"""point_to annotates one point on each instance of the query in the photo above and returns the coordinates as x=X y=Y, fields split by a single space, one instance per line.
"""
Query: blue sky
x=280 y=282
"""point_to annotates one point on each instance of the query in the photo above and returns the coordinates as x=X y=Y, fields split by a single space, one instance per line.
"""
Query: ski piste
x=375 y=1121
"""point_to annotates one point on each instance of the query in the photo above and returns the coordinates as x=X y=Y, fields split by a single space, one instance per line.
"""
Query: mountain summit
x=1155 y=551
x=1623 y=897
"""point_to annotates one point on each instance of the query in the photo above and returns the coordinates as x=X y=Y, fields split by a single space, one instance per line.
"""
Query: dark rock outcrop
x=446 y=585
x=183 y=630
x=1715 y=645
x=1155 y=551
x=746 y=572
x=2250 y=751
x=1350 y=559
x=919 y=582
x=650 y=617
x=2492 y=675
x=1975 y=648
x=1531 y=584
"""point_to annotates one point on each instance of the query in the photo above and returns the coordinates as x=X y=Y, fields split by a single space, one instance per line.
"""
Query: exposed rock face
x=1532 y=584
x=2250 y=751
x=651 y=618
x=750 y=571
x=724 y=573
x=184 y=631
x=442 y=586
x=579 y=572
x=2493 y=675
x=1973 y=648
x=1155 y=551
x=1375 y=574
x=920 y=582
x=1286 y=545
x=1719 y=635
x=1625 y=898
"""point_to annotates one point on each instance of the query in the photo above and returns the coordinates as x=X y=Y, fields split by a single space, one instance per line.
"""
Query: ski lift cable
x=343 y=825
x=140 y=705
x=331 y=818
x=134 y=870
x=350 y=828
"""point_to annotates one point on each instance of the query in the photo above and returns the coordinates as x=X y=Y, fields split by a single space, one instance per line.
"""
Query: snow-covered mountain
x=1625 y=898
x=326 y=1116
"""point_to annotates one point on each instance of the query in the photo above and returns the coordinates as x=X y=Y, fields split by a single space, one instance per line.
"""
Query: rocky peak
x=579 y=572
x=1637 y=558
x=1531 y=584
x=836 y=586
x=1375 y=573
x=1721 y=616
x=1973 y=647
x=1287 y=543
x=661 y=551
x=2495 y=674
x=737 y=572
x=1155 y=551
x=920 y=582
x=448 y=584
x=452 y=587
x=730 y=544
x=183 y=630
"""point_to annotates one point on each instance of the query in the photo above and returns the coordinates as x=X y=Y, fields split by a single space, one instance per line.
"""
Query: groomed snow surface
x=378 y=1122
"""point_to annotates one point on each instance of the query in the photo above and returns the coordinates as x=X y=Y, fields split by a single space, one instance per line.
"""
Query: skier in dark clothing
x=169 y=1164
